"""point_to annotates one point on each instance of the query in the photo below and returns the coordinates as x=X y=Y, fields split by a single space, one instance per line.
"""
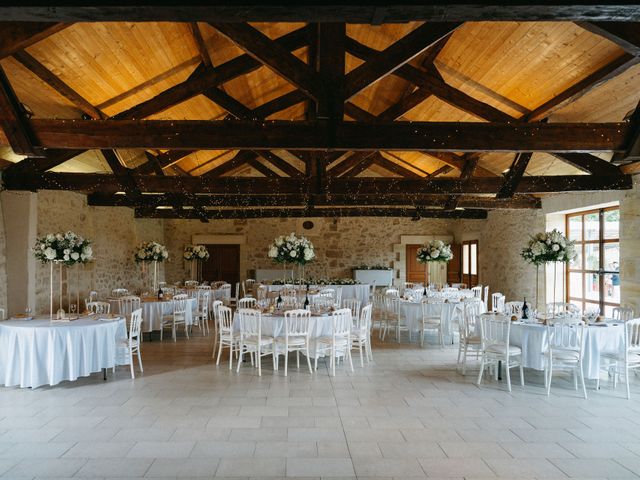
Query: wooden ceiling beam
x=588 y=163
x=351 y=12
x=280 y=164
x=154 y=163
x=209 y=184
x=320 y=135
x=274 y=56
x=514 y=175
x=14 y=123
x=122 y=173
x=48 y=77
x=16 y=36
x=633 y=141
x=466 y=175
x=624 y=34
x=361 y=165
x=202 y=47
x=394 y=167
x=241 y=158
x=262 y=168
x=348 y=163
x=219 y=214
x=209 y=78
x=331 y=68
x=395 y=56
x=299 y=200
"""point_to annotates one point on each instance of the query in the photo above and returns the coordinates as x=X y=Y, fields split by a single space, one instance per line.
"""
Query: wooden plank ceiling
x=238 y=120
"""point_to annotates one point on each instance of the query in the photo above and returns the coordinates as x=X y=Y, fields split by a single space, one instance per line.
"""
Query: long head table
x=361 y=292
x=38 y=352
x=154 y=310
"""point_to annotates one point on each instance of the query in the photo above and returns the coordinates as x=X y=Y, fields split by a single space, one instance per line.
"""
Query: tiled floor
x=408 y=415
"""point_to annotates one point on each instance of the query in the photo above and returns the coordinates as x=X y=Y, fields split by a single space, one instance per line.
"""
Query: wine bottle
x=160 y=294
x=525 y=309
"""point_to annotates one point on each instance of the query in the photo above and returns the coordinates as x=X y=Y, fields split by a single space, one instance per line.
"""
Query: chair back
x=513 y=308
x=363 y=323
x=338 y=299
x=247 y=302
x=203 y=302
x=341 y=323
x=218 y=284
x=468 y=323
x=632 y=335
x=565 y=335
x=127 y=304
x=497 y=302
x=204 y=287
x=215 y=306
x=119 y=292
x=224 y=317
x=250 y=322
x=354 y=305
x=477 y=291
x=392 y=305
x=226 y=293
x=623 y=314
x=191 y=283
x=291 y=301
x=485 y=298
x=494 y=330
x=261 y=292
x=247 y=286
x=297 y=323
x=135 y=325
x=100 y=308
x=328 y=292
x=180 y=304
x=392 y=292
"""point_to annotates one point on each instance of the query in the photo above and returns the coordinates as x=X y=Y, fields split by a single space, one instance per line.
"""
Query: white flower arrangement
x=151 y=252
x=546 y=247
x=291 y=249
x=434 y=251
x=196 y=252
x=66 y=248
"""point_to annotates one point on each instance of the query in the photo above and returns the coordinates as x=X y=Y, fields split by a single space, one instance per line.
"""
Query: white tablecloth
x=38 y=352
x=153 y=311
x=361 y=292
x=412 y=312
x=532 y=338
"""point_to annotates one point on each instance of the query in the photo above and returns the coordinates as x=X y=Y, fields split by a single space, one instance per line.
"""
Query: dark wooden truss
x=333 y=149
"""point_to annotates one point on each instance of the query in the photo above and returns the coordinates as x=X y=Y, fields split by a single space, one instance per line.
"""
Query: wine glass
x=27 y=311
x=72 y=307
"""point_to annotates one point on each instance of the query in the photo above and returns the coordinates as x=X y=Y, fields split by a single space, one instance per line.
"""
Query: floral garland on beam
x=434 y=251
x=63 y=248
x=291 y=249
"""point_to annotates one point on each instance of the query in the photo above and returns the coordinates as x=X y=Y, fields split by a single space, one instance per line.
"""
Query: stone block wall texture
x=340 y=244
x=114 y=232
x=3 y=264
x=630 y=249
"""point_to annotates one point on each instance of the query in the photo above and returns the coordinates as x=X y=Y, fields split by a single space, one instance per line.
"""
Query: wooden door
x=223 y=264
x=454 y=272
x=415 y=270
x=470 y=263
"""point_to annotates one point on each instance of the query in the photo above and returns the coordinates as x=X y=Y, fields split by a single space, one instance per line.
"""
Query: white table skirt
x=273 y=326
x=38 y=352
x=361 y=292
x=532 y=338
x=412 y=312
x=153 y=311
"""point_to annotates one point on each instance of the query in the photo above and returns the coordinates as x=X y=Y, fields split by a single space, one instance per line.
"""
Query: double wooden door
x=223 y=264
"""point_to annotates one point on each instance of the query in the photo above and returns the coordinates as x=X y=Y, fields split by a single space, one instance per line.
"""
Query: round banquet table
x=39 y=352
x=361 y=292
x=412 y=312
x=154 y=310
x=598 y=338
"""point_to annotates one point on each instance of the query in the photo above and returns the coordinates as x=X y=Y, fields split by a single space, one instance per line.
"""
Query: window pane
x=592 y=226
x=608 y=311
x=465 y=259
x=575 y=228
x=612 y=280
x=576 y=263
x=592 y=256
x=612 y=256
x=592 y=286
x=611 y=224
x=591 y=307
x=474 y=259
x=575 y=285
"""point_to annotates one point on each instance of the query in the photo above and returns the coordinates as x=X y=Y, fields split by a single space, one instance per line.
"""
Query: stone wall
x=3 y=265
x=114 y=232
x=341 y=244
x=630 y=248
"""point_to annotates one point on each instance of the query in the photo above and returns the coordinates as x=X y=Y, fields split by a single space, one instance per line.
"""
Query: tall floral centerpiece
x=549 y=247
x=62 y=249
x=297 y=250
x=196 y=254
x=434 y=251
x=148 y=252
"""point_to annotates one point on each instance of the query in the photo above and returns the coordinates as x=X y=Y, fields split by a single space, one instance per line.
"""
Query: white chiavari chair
x=295 y=339
x=622 y=314
x=497 y=302
x=494 y=331
x=226 y=336
x=251 y=339
x=354 y=305
x=127 y=305
x=470 y=340
x=132 y=344
x=119 y=292
x=565 y=350
x=361 y=334
x=247 y=287
x=247 y=302
x=201 y=315
x=338 y=345
x=485 y=299
x=190 y=284
x=562 y=308
x=432 y=314
x=178 y=316
x=261 y=292
x=225 y=294
x=513 y=308
x=627 y=359
x=477 y=291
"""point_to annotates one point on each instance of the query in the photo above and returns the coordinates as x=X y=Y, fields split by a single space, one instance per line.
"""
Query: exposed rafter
x=514 y=175
x=20 y=35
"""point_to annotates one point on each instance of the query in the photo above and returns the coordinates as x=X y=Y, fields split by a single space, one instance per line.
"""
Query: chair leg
x=298 y=359
x=230 y=353
x=241 y=347
x=350 y=359
x=584 y=387
x=259 y=360
x=133 y=375
x=506 y=365
x=286 y=359
x=464 y=359
x=521 y=373
x=140 y=360
x=361 y=358
x=481 y=371
x=626 y=378
x=333 y=360
x=308 y=359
